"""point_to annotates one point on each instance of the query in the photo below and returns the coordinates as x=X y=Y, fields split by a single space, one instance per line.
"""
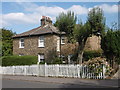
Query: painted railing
x=76 y=71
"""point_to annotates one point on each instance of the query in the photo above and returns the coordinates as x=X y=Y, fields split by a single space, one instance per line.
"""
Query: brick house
x=44 y=41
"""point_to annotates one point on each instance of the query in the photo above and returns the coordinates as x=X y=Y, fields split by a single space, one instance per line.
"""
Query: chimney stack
x=45 y=20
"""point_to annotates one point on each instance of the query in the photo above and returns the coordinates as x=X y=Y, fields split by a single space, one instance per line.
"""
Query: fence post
x=38 y=70
x=57 y=70
x=46 y=70
x=78 y=70
x=25 y=70
x=13 y=70
x=104 y=70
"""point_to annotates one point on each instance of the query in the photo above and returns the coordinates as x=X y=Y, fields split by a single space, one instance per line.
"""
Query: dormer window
x=21 y=43
x=41 y=41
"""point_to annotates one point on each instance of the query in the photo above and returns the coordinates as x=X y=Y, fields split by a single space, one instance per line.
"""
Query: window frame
x=39 y=58
x=62 y=40
x=20 y=43
x=41 y=41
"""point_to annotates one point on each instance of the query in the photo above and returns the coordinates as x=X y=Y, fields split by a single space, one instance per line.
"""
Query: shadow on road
x=92 y=84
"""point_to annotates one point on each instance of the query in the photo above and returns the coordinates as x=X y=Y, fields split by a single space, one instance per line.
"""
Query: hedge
x=91 y=54
x=18 y=60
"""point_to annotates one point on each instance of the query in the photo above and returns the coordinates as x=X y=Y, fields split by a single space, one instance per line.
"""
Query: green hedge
x=18 y=60
x=91 y=54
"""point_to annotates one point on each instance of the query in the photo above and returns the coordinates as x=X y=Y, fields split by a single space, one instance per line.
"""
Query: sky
x=23 y=16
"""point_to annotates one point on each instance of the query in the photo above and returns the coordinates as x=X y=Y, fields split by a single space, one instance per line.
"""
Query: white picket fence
x=76 y=71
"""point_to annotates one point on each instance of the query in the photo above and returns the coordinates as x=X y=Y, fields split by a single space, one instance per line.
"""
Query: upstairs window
x=21 y=43
x=62 y=40
x=41 y=41
x=41 y=58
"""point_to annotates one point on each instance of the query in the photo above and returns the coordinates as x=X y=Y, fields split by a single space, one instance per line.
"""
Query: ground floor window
x=21 y=54
x=41 y=58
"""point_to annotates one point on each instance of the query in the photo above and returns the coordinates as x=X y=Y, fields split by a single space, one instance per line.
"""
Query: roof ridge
x=48 y=28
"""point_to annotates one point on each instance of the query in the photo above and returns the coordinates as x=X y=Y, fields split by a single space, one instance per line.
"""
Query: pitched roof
x=46 y=29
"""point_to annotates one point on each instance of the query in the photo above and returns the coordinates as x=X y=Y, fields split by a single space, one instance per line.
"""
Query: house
x=45 y=41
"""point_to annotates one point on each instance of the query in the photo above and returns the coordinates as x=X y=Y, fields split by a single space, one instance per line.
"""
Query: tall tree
x=66 y=22
x=7 y=42
x=81 y=33
x=96 y=20
x=94 y=25
x=111 y=45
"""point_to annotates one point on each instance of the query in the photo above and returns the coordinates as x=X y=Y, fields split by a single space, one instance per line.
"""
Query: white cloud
x=77 y=9
x=34 y=13
x=109 y=8
x=20 y=18
x=52 y=11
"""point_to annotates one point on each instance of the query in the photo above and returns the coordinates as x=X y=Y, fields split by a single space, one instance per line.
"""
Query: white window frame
x=20 y=43
x=62 y=40
x=41 y=41
x=41 y=58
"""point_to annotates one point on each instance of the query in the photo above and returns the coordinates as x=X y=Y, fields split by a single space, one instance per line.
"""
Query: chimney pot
x=45 y=20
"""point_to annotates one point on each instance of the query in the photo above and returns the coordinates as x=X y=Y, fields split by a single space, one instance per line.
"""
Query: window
x=41 y=58
x=41 y=41
x=62 y=40
x=21 y=54
x=21 y=43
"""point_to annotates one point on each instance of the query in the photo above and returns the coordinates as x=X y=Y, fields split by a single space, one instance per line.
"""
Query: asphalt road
x=6 y=83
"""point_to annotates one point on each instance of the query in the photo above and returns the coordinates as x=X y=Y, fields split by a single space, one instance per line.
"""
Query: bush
x=56 y=60
x=96 y=66
x=18 y=60
x=91 y=54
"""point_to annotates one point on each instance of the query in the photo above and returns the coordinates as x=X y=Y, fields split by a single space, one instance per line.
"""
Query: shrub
x=91 y=54
x=96 y=66
x=56 y=60
x=18 y=60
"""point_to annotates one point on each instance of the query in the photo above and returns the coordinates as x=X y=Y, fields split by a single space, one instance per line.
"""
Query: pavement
x=107 y=82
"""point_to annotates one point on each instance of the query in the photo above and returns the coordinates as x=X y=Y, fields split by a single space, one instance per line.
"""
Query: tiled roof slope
x=46 y=29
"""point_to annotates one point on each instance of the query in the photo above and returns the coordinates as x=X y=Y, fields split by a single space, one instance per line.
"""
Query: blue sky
x=24 y=16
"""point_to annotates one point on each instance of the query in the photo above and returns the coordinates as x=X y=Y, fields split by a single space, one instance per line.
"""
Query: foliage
x=7 y=42
x=66 y=23
x=91 y=54
x=56 y=60
x=81 y=33
x=94 y=25
x=96 y=66
x=18 y=60
x=111 y=45
x=96 y=20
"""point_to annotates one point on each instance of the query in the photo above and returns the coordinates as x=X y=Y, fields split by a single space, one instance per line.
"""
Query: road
x=7 y=83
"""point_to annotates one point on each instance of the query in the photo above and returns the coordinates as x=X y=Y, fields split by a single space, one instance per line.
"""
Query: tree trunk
x=80 y=56
x=81 y=50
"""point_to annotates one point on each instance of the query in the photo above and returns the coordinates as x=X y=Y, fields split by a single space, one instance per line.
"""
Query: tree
x=66 y=23
x=7 y=42
x=81 y=33
x=110 y=44
x=94 y=25
x=96 y=20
